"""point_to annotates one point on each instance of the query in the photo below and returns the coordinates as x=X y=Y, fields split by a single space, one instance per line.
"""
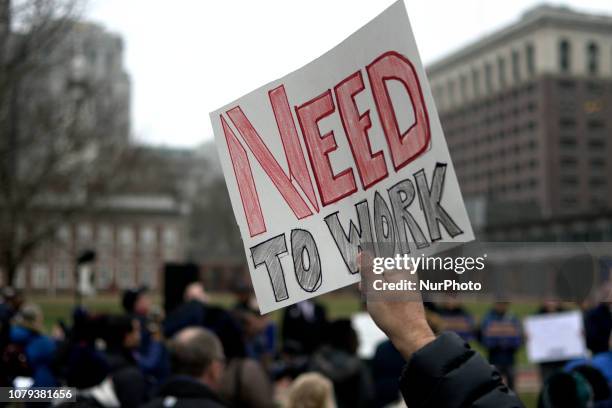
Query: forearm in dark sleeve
x=447 y=373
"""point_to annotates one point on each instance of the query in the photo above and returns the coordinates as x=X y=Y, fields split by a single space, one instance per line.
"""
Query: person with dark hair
x=598 y=327
x=197 y=311
x=259 y=331
x=386 y=366
x=501 y=335
x=602 y=395
x=79 y=361
x=245 y=381
x=457 y=319
x=197 y=358
x=566 y=390
x=305 y=323
x=337 y=359
x=151 y=354
x=122 y=339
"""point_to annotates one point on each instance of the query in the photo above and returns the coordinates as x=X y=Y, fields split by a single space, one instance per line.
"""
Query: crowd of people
x=204 y=355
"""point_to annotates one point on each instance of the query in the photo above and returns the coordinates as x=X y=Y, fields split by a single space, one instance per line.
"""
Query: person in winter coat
x=501 y=335
x=197 y=311
x=443 y=371
x=39 y=349
x=151 y=354
x=304 y=323
x=337 y=360
x=197 y=362
x=598 y=327
x=387 y=365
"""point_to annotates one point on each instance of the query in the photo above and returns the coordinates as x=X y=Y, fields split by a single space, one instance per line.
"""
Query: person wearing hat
x=39 y=349
x=151 y=355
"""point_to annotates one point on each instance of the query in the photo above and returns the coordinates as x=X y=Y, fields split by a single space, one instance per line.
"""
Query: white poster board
x=555 y=337
x=370 y=336
x=347 y=149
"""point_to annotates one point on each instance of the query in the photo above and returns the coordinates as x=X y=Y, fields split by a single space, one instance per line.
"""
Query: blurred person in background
x=197 y=311
x=243 y=293
x=27 y=339
x=337 y=360
x=310 y=390
x=602 y=394
x=386 y=366
x=456 y=319
x=10 y=302
x=151 y=355
x=305 y=323
x=122 y=340
x=197 y=362
x=442 y=371
x=289 y=365
x=79 y=361
x=245 y=383
x=597 y=327
x=245 y=380
x=566 y=390
x=260 y=332
x=501 y=335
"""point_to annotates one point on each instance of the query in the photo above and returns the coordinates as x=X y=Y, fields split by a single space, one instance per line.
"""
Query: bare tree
x=59 y=127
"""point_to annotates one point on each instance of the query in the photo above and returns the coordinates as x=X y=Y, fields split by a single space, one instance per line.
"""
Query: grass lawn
x=338 y=305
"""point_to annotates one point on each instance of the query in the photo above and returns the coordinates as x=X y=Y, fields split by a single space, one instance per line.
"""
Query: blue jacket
x=501 y=344
x=40 y=352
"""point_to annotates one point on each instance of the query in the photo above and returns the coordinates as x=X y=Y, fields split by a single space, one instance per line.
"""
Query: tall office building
x=527 y=113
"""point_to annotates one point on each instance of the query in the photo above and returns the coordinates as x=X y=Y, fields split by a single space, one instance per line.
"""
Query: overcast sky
x=189 y=57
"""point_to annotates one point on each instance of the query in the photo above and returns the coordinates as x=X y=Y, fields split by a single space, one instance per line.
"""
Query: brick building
x=527 y=114
x=133 y=236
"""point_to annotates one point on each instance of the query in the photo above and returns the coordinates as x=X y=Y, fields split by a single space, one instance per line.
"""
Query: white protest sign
x=370 y=336
x=555 y=337
x=347 y=149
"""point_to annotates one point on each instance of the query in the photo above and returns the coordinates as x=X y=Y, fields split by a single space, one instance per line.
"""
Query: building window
x=476 y=82
x=63 y=272
x=463 y=84
x=148 y=274
x=501 y=71
x=488 y=78
x=596 y=144
x=530 y=55
x=125 y=276
x=516 y=66
x=568 y=141
x=64 y=234
x=85 y=234
x=105 y=235
x=451 y=91
x=568 y=162
x=592 y=58
x=564 y=56
x=567 y=123
x=148 y=237
x=104 y=274
x=569 y=181
x=40 y=276
x=126 y=237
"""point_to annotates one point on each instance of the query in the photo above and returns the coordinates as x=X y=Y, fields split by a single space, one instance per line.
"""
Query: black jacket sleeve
x=446 y=373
